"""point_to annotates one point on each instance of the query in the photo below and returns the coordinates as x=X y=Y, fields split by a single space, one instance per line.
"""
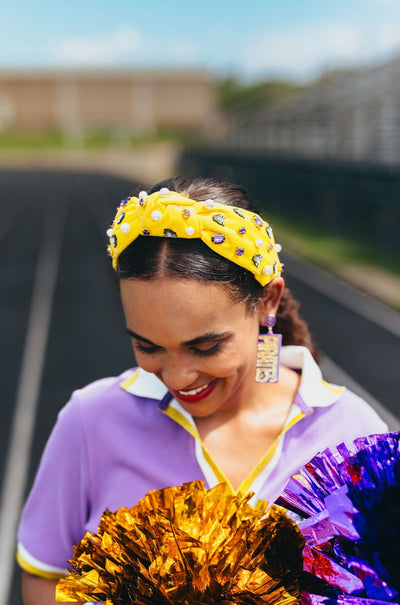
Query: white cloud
x=385 y=40
x=290 y=51
x=116 y=47
x=304 y=51
x=125 y=46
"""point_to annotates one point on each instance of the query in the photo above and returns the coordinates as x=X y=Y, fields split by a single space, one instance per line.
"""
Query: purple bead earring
x=268 y=353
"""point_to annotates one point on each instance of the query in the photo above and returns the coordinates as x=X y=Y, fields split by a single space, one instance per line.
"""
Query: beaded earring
x=268 y=353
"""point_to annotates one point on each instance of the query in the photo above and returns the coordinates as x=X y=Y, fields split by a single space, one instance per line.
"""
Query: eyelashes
x=151 y=350
x=207 y=352
x=143 y=349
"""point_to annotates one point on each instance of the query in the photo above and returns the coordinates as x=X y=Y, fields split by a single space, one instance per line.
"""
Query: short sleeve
x=54 y=515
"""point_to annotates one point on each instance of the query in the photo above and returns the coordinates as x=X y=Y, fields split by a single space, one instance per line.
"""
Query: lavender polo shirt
x=117 y=439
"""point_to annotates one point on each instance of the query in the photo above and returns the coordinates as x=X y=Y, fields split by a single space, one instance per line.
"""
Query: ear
x=269 y=302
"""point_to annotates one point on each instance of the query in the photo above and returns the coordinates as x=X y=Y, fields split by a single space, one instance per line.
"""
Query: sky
x=261 y=39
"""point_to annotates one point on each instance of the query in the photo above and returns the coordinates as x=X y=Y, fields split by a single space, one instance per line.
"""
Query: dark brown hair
x=151 y=257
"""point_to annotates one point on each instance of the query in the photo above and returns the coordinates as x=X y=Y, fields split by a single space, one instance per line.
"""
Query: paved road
x=61 y=324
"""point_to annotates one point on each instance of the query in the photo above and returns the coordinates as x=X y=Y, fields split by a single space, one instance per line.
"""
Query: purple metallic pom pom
x=352 y=500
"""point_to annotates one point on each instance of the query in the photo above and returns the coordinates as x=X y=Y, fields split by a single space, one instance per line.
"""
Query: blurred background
x=297 y=102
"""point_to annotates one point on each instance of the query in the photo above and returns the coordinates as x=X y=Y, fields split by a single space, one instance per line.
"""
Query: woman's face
x=198 y=342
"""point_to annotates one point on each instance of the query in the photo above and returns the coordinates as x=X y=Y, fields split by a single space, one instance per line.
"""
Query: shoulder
x=132 y=383
x=113 y=397
x=357 y=413
x=344 y=420
x=330 y=410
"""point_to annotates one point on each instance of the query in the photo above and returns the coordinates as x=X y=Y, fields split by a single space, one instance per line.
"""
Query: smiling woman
x=214 y=398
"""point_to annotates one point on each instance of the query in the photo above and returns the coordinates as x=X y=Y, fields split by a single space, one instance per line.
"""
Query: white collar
x=313 y=389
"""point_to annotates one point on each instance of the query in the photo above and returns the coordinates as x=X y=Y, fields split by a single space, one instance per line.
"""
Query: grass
x=96 y=140
x=375 y=271
x=15 y=140
x=330 y=250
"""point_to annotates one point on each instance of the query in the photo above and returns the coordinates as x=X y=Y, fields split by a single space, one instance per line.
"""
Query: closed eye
x=149 y=349
x=206 y=352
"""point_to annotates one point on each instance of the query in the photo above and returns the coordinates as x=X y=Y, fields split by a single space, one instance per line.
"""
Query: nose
x=178 y=373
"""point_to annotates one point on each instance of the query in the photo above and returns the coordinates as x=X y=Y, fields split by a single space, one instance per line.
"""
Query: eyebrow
x=194 y=341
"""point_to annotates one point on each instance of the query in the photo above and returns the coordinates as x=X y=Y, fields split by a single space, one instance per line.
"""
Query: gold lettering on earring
x=268 y=356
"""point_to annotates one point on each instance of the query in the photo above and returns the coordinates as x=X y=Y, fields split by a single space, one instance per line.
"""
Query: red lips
x=197 y=396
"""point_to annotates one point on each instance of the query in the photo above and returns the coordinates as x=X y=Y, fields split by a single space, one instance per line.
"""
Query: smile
x=193 y=395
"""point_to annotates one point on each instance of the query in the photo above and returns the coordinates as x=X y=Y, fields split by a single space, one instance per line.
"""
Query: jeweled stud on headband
x=218 y=238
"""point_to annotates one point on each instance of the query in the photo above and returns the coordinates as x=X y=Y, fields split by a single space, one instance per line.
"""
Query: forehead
x=187 y=306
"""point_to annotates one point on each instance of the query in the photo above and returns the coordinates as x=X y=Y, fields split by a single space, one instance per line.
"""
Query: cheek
x=233 y=363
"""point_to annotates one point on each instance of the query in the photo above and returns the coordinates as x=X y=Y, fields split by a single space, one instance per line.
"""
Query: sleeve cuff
x=37 y=568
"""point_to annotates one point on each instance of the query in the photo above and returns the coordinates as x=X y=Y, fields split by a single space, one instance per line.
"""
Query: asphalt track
x=61 y=323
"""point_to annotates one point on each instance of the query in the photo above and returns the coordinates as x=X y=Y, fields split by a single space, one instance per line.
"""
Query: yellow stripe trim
x=184 y=422
x=187 y=425
x=245 y=486
x=217 y=471
x=333 y=388
x=48 y=575
x=125 y=384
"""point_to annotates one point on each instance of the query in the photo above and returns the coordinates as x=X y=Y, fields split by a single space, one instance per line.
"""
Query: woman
x=199 y=277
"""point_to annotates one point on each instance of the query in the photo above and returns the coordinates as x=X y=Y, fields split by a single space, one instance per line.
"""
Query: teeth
x=195 y=391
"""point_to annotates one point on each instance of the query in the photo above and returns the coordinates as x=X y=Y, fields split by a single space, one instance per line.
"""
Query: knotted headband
x=241 y=236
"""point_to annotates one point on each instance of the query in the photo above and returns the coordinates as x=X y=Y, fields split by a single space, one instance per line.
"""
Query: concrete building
x=77 y=101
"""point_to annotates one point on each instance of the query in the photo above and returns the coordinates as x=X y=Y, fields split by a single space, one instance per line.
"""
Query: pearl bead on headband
x=241 y=236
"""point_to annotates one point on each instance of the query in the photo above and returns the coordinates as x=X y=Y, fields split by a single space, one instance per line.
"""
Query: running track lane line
x=17 y=463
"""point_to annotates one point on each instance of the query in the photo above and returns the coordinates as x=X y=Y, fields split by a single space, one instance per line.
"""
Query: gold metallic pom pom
x=186 y=545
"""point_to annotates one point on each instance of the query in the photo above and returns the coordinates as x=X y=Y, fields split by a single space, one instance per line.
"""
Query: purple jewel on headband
x=146 y=232
x=282 y=268
x=257 y=258
x=142 y=202
x=124 y=202
x=121 y=218
x=269 y=231
x=239 y=212
x=271 y=247
x=114 y=240
x=218 y=238
x=186 y=213
x=239 y=251
x=242 y=230
x=257 y=220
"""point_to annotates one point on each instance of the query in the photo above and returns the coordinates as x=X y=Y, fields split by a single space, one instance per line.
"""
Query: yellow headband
x=236 y=234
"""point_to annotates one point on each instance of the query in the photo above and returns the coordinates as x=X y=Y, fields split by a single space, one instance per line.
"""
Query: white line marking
x=344 y=294
x=28 y=392
x=334 y=373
